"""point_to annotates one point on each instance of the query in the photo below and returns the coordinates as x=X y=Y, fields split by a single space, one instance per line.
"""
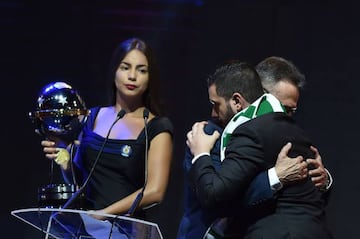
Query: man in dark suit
x=196 y=221
x=284 y=80
x=250 y=144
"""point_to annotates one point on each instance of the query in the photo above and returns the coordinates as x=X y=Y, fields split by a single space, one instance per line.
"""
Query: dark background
x=45 y=41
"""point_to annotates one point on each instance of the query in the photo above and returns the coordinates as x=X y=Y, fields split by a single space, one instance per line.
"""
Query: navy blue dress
x=120 y=168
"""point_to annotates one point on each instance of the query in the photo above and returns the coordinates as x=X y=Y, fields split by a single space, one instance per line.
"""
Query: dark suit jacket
x=196 y=220
x=253 y=147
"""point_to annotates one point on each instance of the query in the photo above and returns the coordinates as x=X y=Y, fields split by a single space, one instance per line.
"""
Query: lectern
x=79 y=224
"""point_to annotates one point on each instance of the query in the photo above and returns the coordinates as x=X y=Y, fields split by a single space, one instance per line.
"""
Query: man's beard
x=228 y=115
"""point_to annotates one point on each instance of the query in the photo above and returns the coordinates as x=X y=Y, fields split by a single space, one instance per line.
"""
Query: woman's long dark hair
x=151 y=95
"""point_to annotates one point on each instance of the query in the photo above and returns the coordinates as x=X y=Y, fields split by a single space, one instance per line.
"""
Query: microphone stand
x=81 y=189
x=140 y=195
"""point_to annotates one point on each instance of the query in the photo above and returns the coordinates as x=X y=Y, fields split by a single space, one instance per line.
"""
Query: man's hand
x=290 y=169
x=318 y=175
x=200 y=142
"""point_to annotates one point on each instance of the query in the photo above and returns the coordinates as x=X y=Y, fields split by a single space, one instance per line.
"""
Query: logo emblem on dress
x=126 y=150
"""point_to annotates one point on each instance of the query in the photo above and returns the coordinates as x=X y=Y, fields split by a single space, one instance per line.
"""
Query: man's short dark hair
x=232 y=77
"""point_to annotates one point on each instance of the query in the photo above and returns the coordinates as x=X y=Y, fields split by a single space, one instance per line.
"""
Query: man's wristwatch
x=277 y=186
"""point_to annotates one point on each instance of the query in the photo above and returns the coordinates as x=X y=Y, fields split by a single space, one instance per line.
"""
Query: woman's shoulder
x=161 y=124
x=94 y=111
x=161 y=120
x=100 y=109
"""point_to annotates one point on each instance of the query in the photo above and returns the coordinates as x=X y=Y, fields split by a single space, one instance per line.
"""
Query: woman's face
x=132 y=75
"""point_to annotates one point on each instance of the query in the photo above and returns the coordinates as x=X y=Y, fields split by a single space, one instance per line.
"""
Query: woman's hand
x=61 y=156
x=95 y=214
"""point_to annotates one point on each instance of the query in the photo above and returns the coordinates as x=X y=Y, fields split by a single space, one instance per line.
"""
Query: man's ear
x=238 y=101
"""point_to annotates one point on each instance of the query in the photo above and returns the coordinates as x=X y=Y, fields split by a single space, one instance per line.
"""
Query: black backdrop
x=44 y=41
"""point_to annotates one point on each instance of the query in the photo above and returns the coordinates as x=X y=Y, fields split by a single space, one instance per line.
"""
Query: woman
x=120 y=168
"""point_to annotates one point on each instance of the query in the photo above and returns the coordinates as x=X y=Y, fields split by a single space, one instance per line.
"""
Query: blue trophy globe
x=59 y=116
x=60 y=112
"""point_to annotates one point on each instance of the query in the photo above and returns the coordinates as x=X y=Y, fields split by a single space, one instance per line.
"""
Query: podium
x=79 y=224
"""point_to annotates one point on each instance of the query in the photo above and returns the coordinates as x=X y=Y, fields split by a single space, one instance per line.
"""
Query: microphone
x=81 y=189
x=140 y=195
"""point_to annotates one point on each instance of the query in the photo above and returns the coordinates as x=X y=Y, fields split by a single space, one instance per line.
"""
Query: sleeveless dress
x=120 y=169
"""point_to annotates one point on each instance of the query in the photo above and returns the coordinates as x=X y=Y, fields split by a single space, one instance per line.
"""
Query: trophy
x=60 y=115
